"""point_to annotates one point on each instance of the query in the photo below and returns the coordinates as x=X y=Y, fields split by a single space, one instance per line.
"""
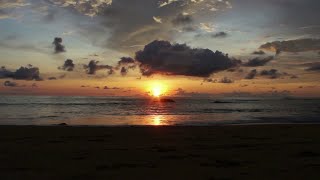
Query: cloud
x=260 y=52
x=166 y=2
x=14 y=42
x=109 y=88
x=89 y=8
x=7 y=6
x=157 y=19
x=93 y=67
x=220 y=35
x=258 y=61
x=272 y=73
x=124 y=64
x=298 y=45
x=125 y=27
x=252 y=74
x=226 y=80
x=124 y=71
x=126 y=61
x=10 y=84
x=210 y=80
x=23 y=73
x=58 y=47
x=34 y=85
x=68 y=65
x=4 y=73
x=182 y=92
x=314 y=67
x=208 y=27
x=27 y=73
x=162 y=57
x=52 y=78
x=182 y=19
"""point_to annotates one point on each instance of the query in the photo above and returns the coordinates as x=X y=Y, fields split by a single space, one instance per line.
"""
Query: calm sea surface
x=110 y=111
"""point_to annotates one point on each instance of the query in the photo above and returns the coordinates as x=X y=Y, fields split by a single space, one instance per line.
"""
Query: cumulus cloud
x=27 y=73
x=68 y=65
x=298 y=45
x=94 y=66
x=252 y=74
x=23 y=73
x=58 y=47
x=258 y=61
x=162 y=57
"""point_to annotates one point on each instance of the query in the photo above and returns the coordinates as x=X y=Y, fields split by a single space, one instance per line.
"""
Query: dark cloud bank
x=162 y=57
x=23 y=73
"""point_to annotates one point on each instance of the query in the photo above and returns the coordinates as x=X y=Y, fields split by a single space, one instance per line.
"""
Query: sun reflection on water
x=158 y=120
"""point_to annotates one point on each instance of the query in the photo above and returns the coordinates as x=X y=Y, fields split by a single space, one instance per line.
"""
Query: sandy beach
x=217 y=152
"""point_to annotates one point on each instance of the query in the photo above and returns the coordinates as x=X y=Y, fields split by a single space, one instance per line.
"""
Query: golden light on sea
x=157 y=120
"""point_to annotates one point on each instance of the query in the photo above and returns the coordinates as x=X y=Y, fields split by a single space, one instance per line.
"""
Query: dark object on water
x=167 y=100
x=221 y=102
x=63 y=124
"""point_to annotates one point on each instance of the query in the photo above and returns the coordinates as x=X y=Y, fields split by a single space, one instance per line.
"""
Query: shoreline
x=164 y=126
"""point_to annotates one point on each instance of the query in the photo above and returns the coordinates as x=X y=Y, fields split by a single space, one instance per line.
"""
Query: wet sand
x=217 y=153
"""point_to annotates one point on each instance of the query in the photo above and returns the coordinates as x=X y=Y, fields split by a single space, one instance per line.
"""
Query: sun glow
x=157 y=89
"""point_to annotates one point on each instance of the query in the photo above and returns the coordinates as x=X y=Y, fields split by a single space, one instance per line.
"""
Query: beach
x=274 y=151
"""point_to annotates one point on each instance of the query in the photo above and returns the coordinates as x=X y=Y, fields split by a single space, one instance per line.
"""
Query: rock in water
x=167 y=100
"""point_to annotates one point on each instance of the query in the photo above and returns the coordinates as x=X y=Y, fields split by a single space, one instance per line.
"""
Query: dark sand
x=220 y=152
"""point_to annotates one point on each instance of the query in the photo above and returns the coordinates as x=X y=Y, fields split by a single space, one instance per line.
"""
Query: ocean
x=125 y=111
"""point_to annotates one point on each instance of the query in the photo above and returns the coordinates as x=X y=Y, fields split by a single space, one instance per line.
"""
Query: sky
x=185 y=47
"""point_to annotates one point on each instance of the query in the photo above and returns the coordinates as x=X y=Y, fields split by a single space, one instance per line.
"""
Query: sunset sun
x=157 y=89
